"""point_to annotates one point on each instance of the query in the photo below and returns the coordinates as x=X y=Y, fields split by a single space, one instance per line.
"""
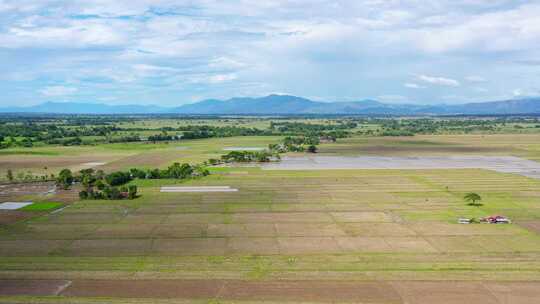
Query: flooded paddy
x=505 y=164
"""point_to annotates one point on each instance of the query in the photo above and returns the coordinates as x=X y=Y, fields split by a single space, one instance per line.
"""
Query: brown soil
x=30 y=247
x=531 y=225
x=147 y=159
x=445 y=292
x=12 y=216
x=110 y=247
x=32 y=287
x=411 y=292
x=17 y=162
x=14 y=190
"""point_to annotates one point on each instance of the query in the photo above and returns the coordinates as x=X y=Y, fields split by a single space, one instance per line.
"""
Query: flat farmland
x=110 y=157
x=522 y=145
x=288 y=230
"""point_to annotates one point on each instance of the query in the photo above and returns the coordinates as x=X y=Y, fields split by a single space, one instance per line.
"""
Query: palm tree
x=472 y=198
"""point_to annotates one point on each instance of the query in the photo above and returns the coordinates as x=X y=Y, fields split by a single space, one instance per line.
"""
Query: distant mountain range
x=290 y=105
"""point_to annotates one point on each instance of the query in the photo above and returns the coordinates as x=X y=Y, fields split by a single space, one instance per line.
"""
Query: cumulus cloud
x=439 y=80
x=58 y=91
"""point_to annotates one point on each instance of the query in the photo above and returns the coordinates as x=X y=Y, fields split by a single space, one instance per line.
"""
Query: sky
x=173 y=52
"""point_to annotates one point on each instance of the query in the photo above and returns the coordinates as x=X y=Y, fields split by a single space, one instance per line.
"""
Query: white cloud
x=439 y=80
x=493 y=30
x=411 y=85
x=310 y=47
x=517 y=93
x=221 y=78
x=65 y=34
x=58 y=91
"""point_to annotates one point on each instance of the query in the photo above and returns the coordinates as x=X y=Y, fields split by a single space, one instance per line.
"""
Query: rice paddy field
x=286 y=236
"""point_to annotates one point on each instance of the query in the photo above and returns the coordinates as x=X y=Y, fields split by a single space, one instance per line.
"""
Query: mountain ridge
x=289 y=105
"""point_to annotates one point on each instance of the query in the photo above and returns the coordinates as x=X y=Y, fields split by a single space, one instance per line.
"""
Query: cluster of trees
x=245 y=156
x=307 y=128
x=175 y=171
x=455 y=125
x=205 y=131
x=9 y=142
x=296 y=144
x=162 y=137
x=98 y=185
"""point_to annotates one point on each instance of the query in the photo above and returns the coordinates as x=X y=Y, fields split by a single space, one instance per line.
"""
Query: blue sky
x=175 y=52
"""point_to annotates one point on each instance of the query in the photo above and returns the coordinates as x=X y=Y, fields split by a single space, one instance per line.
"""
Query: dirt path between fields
x=410 y=292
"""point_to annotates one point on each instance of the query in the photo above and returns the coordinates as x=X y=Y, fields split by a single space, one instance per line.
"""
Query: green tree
x=9 y=175
x=312 y=149
x=118 y=178
x=83 y=195
x=473 y=199
x=132 y=191
x=179 y=171
x=65 y=179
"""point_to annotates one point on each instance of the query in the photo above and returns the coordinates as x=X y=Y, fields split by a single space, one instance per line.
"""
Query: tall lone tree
x=65 y=179
x=473 y=199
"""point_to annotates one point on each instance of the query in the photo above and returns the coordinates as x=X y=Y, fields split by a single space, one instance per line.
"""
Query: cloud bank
x=172 y=52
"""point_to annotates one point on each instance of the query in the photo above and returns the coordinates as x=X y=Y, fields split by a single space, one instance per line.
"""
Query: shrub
x=132 y=191
x=83 y=195
x=65 y=179
x=117 y=178
x=179 y=171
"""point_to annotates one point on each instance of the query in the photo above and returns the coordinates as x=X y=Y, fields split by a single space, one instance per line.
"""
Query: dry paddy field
x=368 y=236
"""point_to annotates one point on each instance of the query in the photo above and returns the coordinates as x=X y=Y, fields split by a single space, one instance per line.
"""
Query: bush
x=83 y=195
x=132 y=191
x=100 y=184
x=65 y=179
x=179 y=171
x=112 y=193
x=118 y=178
x=137 y=173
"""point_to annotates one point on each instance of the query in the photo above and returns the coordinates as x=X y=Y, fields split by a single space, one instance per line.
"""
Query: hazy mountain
x=84 y=108
x=286 y=104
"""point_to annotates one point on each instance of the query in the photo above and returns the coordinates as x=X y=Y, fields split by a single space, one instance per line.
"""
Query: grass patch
x=43 y=206
x=29 y=152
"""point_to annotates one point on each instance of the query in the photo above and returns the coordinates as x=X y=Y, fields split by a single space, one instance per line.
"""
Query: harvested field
x=11 y=217
x=287 y=232
x=57 y=160
x=33 y=287
x=533 y=226
x=14 y=190
x=419 y=292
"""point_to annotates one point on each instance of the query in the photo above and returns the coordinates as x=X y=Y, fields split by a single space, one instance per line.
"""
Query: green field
x=282 y=227
x=365 y=224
